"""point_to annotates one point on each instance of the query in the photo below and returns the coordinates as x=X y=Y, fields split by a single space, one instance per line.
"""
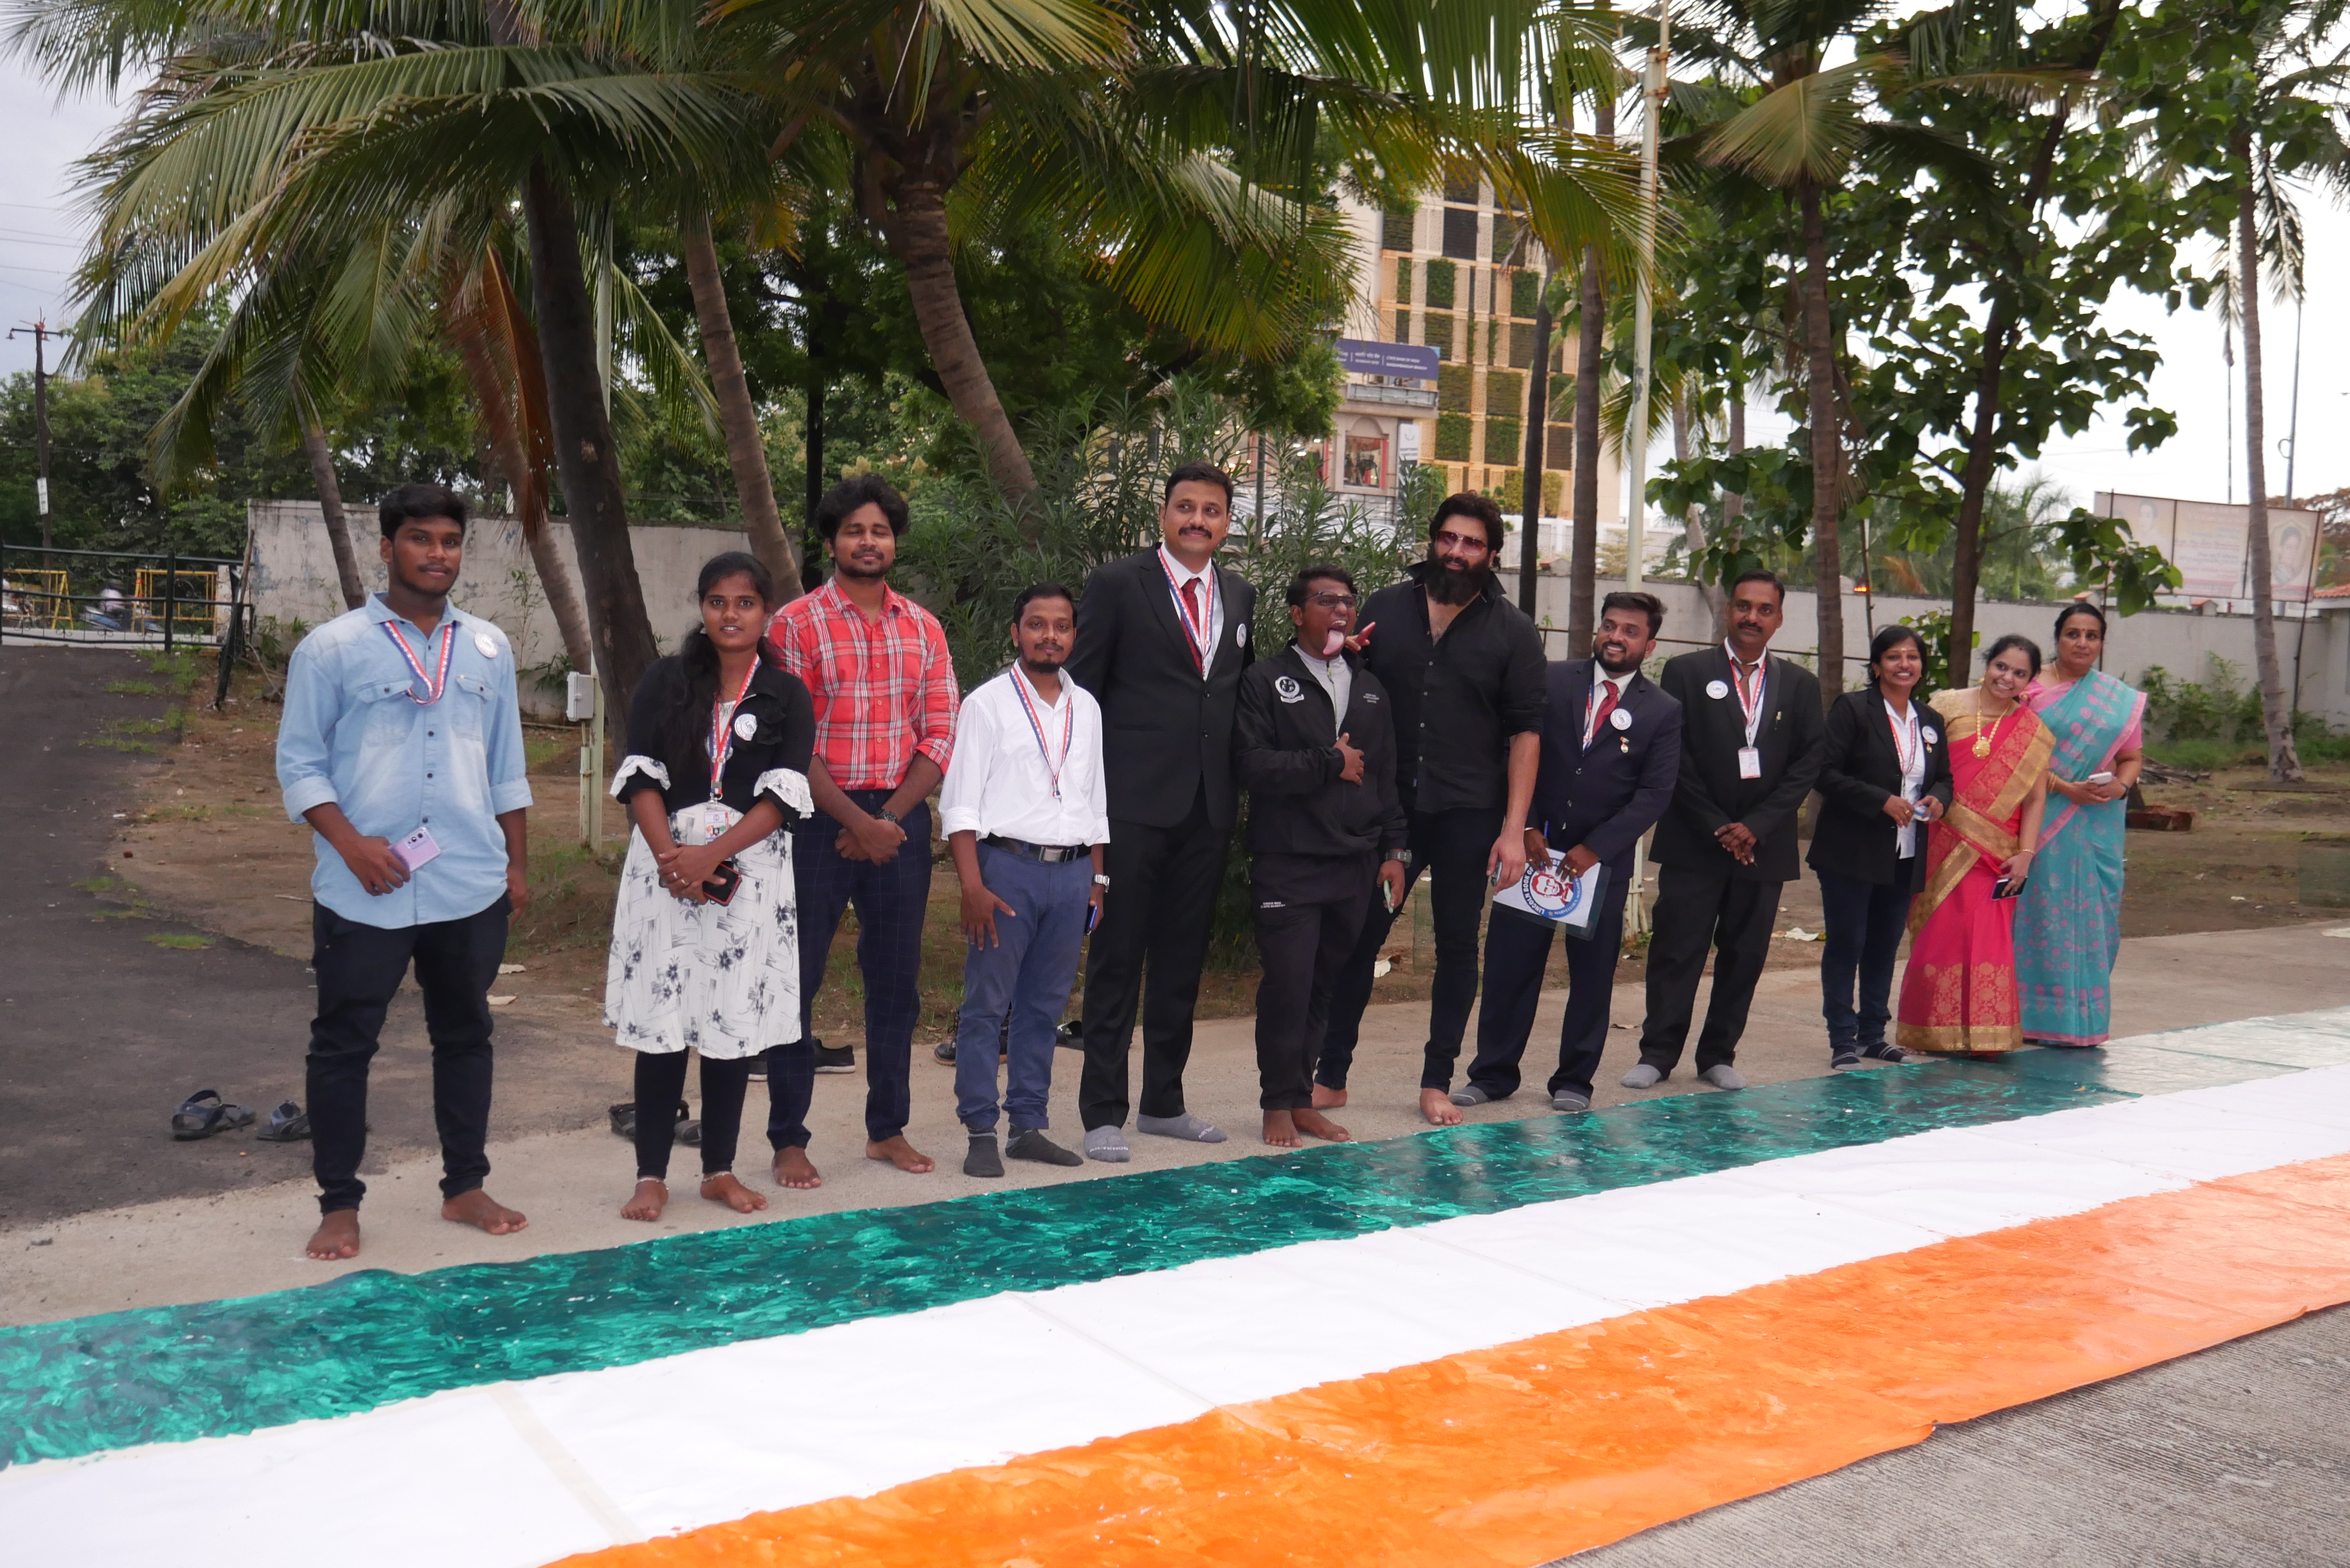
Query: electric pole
x=40 y=334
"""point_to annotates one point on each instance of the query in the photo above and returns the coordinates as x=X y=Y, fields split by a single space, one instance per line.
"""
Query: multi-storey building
x=1458 y=275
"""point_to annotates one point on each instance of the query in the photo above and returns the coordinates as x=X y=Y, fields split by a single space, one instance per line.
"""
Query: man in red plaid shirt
x=876 y=664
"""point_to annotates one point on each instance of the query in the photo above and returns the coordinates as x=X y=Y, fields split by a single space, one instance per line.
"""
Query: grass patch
x=115 y=744
x=572 y=893
x=99 y=884
x=539 y=748
x=180 y=940
x=134 y=689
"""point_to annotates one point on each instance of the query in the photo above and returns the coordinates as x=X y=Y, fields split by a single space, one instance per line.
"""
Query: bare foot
x=792 y=1169
x=1281 y=1129
x=725 y=1188
x=1313 y=1124
x=1436 y=1108
x=1325 y=1099
x=901 y=1154
x=651 y=1198
x=337 y=1237
x=479 y=1209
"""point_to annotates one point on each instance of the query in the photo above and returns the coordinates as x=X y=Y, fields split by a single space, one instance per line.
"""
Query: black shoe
x=834 y=1058
x=945 y=1054
x=1030 y=1143
x=1070 y=1037
x=1844 y=1056
x=983 y=1160
x=1881 y=1052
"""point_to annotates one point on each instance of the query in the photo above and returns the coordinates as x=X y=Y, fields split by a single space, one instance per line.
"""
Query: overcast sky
x=39 y=242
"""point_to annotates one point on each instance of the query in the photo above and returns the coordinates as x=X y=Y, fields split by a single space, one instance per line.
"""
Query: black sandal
x=289 y=1123
x=204 y=1113
x=624 y=1123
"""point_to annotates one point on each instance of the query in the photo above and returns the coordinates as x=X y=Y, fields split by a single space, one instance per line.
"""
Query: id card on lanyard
x=1750 y=756
x=708 y=823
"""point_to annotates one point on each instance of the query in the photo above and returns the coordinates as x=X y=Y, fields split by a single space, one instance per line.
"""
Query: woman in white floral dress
x=705 y=942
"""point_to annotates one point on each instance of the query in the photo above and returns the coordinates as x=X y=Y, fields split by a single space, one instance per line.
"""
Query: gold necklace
x=1983 y=743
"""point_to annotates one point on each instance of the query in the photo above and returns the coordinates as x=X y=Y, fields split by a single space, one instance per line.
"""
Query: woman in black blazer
x=1886 y=773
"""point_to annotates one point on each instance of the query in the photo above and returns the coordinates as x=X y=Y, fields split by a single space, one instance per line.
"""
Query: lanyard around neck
x=1751 y=707
x=1197 y=629
x=1037 y=727
x=1904 y=736
x=721 y=733
x=433 y=686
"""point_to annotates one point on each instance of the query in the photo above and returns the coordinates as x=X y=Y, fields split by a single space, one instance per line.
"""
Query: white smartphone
x=2099 y=778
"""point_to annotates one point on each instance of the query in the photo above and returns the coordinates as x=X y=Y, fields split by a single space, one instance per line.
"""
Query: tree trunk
x=530 y=482
x=746 y=452
x=812 y=557
x=918 y=234
x=585 y=457
x=1583 y=567
x=1827 y=497
x=330 y=503
x=1537 y=423
x=2276 y=714
x=1692 y=531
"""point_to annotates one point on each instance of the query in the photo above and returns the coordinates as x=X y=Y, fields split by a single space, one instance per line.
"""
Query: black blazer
x=782 y=721
x=1604 y=798
x=1282 y=744
x=1711 y=794
x=1860 y=771
x=1165 y=730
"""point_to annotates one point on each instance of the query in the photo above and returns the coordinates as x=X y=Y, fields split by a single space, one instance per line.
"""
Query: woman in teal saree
x=2068 y=920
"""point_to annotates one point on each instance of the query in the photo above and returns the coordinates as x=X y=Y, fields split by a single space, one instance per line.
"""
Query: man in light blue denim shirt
x=401 y=744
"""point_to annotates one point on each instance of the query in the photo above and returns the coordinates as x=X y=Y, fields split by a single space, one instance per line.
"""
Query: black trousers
x=1865 y=922
x=1451 y=847
x=1699 y=910
x=1309 y=910
x=1517 y=951
x=1162 y=898
x=360 y=968
x=660 y=1085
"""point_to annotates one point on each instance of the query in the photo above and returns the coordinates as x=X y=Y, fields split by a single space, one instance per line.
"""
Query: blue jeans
x=1027 y=974
x=1865 y=922
x=890 y=900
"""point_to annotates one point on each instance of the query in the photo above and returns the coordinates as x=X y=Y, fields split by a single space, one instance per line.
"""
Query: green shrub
x=1502 y=439
x=1525 y=291
x=1441 y=275
x=1452 y=438
x=1403 y=280
x=1453 y=387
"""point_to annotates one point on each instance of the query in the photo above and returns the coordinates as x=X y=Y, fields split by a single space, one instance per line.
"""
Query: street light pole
x=1636 y=431
x=40 y=334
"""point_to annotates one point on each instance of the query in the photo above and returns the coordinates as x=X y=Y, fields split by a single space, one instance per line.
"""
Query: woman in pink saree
x=1959 y=994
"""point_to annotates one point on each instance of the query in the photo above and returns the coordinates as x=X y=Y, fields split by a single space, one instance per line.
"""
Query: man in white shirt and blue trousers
x=401 y=746
x=1026 y=811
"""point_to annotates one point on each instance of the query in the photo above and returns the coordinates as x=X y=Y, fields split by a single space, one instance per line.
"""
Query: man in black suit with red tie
x=1611 y=747
x=1162 y=638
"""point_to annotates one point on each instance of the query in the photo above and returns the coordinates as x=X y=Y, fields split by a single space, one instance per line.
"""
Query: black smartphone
x=2008 y=888
x=720 y=888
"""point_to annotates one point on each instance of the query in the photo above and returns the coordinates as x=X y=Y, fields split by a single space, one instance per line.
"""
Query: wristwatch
x=886 y=814
x=1400 y=856
x=1101 y=879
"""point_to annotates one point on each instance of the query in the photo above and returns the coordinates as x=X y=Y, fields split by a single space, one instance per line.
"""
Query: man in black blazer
x=1751 y=735
x=1162 y=638
x=1611 y=749
x=1315 y=743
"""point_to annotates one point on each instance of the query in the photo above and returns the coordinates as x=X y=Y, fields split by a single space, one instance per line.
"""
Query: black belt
x=1050 y=854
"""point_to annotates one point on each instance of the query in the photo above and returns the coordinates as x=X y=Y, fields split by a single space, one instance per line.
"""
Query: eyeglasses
x=1449 y=539
x=1331 y=601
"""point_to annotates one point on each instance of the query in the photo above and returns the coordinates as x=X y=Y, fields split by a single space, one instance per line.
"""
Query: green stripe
x=370 y=1338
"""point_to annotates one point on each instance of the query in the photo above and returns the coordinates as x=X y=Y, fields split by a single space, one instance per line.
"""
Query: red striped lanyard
x=435 y=688
x=1753 y=711
x=1900 y=752
x=1068 y=728
x=722 y=735
x=1199 y=634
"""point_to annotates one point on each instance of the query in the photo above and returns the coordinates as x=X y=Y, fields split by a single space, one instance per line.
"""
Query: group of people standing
x=779 y=765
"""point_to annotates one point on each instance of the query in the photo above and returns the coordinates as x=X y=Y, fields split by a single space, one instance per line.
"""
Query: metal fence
x=125 y=599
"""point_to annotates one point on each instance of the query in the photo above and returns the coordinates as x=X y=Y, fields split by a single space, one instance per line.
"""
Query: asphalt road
x=2235 y=1458
x=105 y=1029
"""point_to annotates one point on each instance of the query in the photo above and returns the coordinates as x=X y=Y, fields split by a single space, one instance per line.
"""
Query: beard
x=1043 y=666
x=1612 y=668
x=1451 y=585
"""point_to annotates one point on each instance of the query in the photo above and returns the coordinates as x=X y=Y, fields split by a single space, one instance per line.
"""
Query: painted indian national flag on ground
x=1489 y=1344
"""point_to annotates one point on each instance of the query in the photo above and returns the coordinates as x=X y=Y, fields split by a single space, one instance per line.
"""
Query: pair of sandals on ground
x=204 y=1114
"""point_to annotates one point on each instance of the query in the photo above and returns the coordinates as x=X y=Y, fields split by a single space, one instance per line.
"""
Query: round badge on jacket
x=1620 y=718
x=1717 y=689
x=486 y=645
x=1239 y=634
x=745 y=726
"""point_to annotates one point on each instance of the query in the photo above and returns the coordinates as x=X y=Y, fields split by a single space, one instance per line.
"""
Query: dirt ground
x=210 y=844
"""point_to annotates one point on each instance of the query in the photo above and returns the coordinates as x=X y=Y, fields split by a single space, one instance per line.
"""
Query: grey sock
x=1187 y=1127
x=1568 y=1100
x=983 y=1160
x=1470 y=1094
x=1643 y=1077
x=1106 y=1144
x=1722 y=1076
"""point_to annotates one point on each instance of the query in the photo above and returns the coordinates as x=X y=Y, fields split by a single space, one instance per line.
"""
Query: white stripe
x=713 y=1435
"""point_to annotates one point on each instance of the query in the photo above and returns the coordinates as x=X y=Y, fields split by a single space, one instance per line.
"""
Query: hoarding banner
x=1366 y=357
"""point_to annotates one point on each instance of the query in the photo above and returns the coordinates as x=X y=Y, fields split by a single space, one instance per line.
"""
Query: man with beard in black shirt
x=1464 y=671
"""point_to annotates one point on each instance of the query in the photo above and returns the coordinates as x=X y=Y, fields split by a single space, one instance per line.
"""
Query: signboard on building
x=2207 y=540
x=1407 y=441
x=1366 y=357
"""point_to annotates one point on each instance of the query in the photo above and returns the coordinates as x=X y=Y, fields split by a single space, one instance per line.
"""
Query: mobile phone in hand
x=722 y=883
x=2008 y=888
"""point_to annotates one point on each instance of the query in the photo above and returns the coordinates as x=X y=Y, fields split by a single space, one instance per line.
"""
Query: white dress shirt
x=1210 y=601
x=1337 y=678
x=1909 y=745
x=1592 y=699
x=998 y=783
x=1756 y=679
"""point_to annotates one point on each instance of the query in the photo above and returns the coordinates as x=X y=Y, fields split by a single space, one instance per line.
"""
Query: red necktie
x=1194 y=626
x=1607 y=706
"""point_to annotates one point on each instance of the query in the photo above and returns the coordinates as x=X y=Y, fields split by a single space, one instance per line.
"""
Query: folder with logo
x=1549 y=891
